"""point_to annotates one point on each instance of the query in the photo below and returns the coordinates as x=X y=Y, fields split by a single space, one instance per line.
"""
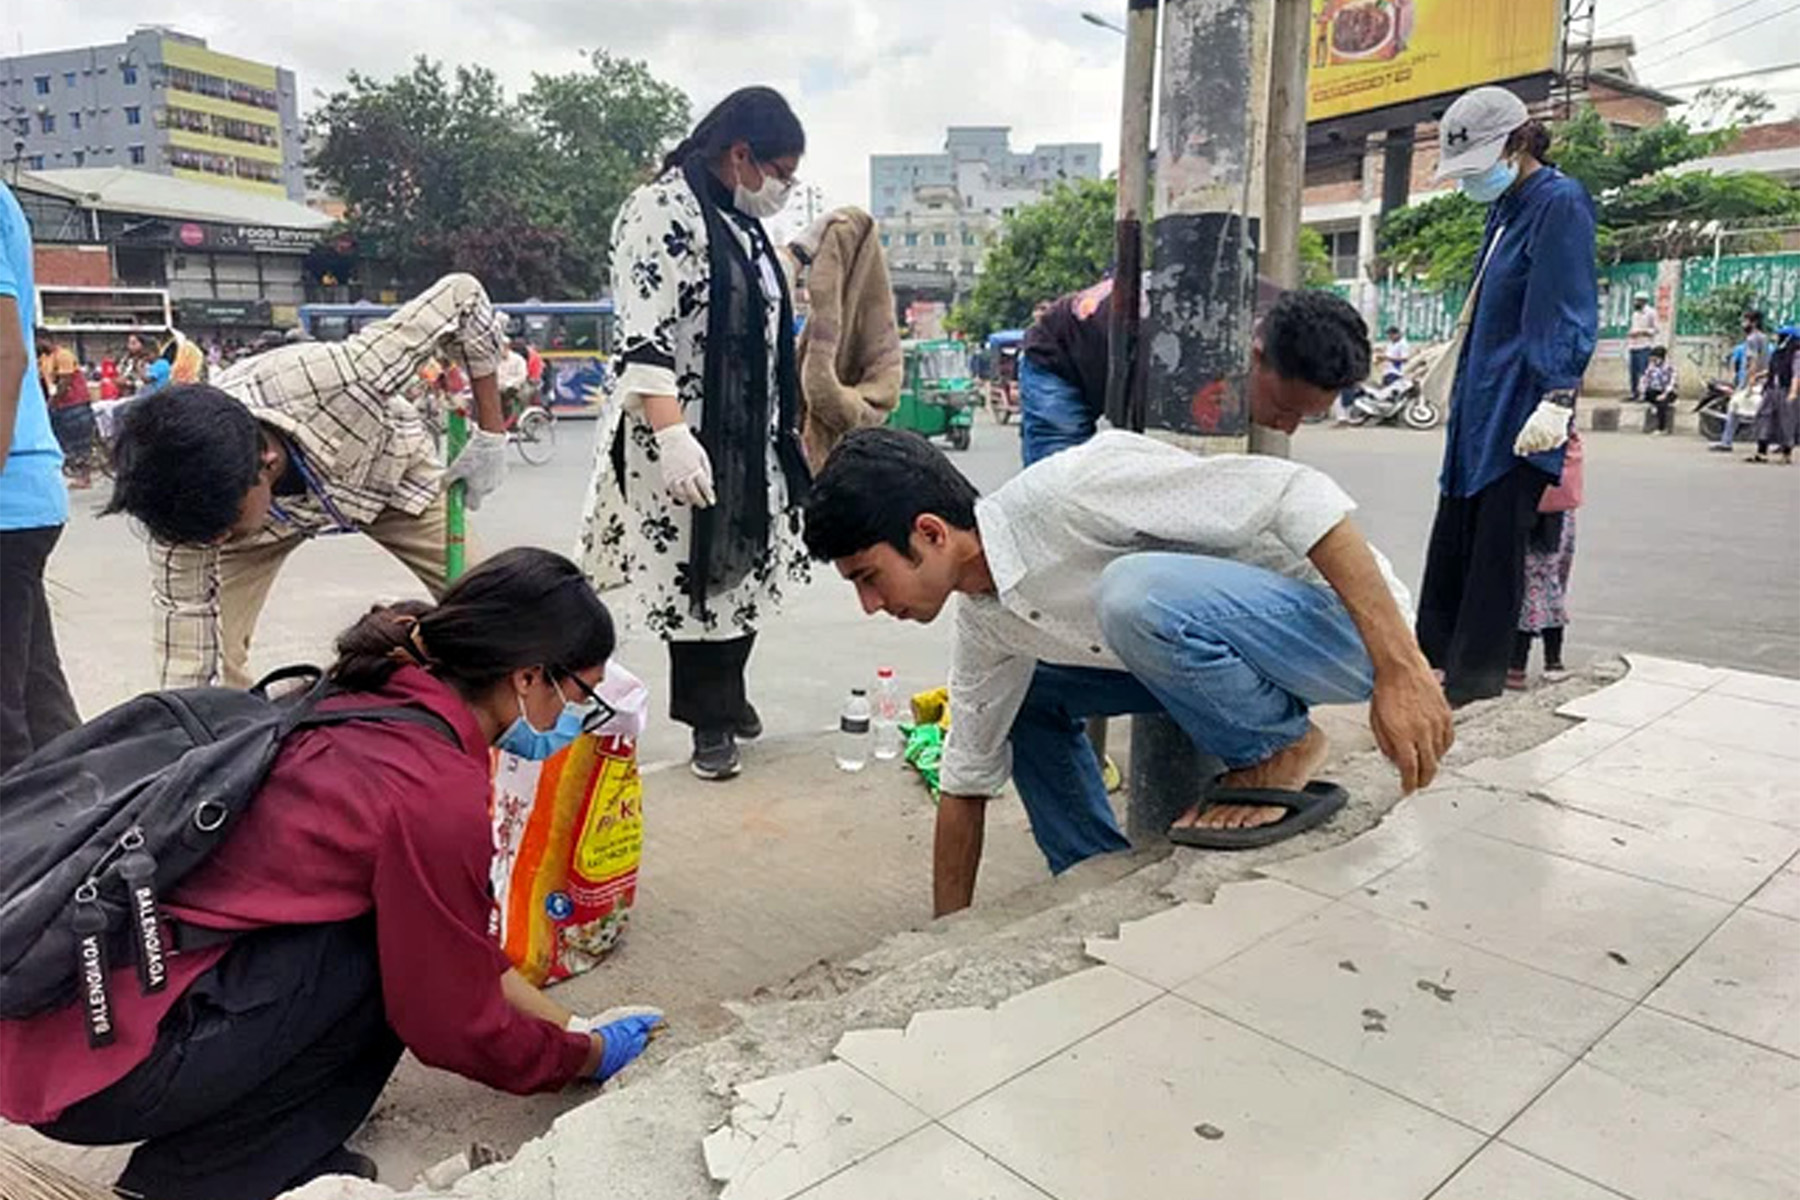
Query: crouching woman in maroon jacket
x=358 y=882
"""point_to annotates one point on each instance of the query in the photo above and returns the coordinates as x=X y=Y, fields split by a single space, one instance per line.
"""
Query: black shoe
x=749 y=724
x=342 y=1161
x=715 y=754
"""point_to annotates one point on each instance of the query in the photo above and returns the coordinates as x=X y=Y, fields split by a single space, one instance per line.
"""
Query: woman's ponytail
x=370 y=651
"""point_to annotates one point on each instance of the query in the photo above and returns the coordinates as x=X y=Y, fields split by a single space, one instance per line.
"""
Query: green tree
x=1060 y=244
x=1645 y=210
x=1315 y=259
x=441 y=171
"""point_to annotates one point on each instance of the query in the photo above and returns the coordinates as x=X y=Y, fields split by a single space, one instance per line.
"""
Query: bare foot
x=1287 y=769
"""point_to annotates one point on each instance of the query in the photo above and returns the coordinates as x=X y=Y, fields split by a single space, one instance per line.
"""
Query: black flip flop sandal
x=1307 y=809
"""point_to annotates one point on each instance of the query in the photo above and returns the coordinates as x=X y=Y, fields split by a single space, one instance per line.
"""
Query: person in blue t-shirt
x=35 y=705
x=1532 y=330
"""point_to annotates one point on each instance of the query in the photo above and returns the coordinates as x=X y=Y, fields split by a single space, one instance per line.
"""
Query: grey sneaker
x=715 y=754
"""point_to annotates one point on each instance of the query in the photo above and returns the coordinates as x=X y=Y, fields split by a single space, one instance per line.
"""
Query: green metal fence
x=1423 y=314
x=1427 y=314
x=1776 y=278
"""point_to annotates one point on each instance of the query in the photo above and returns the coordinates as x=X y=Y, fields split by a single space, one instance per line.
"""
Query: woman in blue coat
x=1531 y=331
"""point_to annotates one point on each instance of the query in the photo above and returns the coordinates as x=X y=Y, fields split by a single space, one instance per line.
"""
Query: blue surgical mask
x=1492 y=183
x=528 y=741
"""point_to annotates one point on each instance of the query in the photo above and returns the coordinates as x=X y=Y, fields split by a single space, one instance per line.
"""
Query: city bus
x=575 y=338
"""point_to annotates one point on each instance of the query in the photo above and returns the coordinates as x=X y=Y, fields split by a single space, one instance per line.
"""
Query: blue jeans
x=1637 y=361
x=1235 y=654
x=1053 y=415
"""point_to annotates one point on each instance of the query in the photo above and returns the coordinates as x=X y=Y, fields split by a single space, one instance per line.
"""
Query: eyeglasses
x=600 y=711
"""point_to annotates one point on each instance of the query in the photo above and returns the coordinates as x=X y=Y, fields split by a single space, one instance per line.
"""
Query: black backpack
x=97 y=824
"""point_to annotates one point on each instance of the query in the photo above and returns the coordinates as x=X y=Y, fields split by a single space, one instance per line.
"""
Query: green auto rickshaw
x=939 y=396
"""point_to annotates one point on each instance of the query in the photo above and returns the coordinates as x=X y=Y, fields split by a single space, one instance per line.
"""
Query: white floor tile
x=1744 y=979
x=1701 y=849
x=1658 y=762
x=1770 y=689
x=1665 y=1110
x=1502 y=1173
x=1170 y=948
x=1650 y=669
x=929 y=1165
x=1464 y=1033
x=944 y=1059
x=789 y=1132
x=1174 y=1103
x=1414 y=822
x=1571 y=919
x=1781 y=895
x=1543 y=763
x=1632 y=702
x=1721 y=720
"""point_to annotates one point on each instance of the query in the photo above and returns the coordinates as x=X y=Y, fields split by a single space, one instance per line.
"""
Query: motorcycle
x=1715 y=406
x=1400 y=397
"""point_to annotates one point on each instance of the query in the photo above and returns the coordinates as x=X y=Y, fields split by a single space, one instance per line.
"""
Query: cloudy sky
x=867 y=76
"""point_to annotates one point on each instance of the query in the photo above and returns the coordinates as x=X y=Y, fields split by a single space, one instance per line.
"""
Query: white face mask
x=767 y=200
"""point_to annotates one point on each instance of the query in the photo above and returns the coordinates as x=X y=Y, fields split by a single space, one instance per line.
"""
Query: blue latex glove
x=625 y=1039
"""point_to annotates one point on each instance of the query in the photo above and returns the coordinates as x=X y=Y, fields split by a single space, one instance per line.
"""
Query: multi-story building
x=159 y=101
x=939 y=212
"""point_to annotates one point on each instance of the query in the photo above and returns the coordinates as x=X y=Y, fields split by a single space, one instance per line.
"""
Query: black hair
x=1533 y=137
x=525 y=607
x=1659 y=352
x=875 y=485
x=1754 y=316
x=184 y=459
x=757 y=115
x=1317 y=338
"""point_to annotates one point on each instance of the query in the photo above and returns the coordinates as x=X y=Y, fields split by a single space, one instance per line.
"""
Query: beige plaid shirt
x=341 y=404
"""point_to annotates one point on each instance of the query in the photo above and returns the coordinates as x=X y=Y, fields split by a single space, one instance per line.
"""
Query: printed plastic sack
x=568 y=836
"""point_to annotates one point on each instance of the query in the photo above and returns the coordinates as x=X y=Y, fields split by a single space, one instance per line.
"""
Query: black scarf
x=730 y=537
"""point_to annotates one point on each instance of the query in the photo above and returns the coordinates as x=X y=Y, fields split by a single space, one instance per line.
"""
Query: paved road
x=1679 y=552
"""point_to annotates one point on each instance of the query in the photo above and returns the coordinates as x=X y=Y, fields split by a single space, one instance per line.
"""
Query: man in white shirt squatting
x=1128 y=576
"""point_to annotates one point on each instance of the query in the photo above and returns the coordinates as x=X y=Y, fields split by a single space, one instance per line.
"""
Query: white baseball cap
x=1474 y=131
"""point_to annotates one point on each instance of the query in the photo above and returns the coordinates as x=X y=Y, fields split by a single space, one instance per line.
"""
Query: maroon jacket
x=367 y=816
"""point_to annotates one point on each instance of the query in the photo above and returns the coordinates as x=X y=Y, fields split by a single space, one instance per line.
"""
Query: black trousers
x=35 y=705
x=261 y=1070
x=1475 y=582
x=706 y=682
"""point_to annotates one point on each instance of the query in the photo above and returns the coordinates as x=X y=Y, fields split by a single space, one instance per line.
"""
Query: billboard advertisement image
x=1368 y=54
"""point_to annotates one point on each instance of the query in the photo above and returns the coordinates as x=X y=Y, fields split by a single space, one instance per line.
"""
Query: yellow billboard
x=1368 y=54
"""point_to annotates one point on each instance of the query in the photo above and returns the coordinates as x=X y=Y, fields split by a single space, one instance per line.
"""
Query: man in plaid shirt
x=308 y=439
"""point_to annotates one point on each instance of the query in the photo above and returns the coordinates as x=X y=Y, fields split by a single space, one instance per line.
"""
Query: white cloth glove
x=481 y=467
x=1547 y=429
x=686 y=470
x=580 y=1024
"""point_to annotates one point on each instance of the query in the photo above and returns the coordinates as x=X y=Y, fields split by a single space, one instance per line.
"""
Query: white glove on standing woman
x=1547 y=429
x=686 y=470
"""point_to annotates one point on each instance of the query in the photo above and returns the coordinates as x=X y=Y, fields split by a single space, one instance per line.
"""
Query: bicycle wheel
x=536 y=436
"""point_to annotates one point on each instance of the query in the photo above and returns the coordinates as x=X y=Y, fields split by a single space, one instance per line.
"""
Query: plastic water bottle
x=853 y=732
x=886 y=723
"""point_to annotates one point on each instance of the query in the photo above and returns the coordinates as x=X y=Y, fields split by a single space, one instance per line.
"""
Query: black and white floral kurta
x=640 y=543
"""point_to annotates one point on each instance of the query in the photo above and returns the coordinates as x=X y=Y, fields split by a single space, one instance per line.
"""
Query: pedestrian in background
x=1778 y=420
x=35 y=705
x=1640 y=339
x=1752 y=371
x=1527 y=334
x=71 y=407
x=1658 y=391
x=693 y=504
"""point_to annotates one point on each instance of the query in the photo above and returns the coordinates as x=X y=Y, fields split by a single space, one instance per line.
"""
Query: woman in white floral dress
x=694 y=504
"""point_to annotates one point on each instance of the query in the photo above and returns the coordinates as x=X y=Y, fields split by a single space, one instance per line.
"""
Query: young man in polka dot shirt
x=1232 y=592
